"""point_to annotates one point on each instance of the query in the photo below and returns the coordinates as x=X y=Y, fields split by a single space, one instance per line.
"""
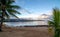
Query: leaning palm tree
x=6 y=9
x=55 y=22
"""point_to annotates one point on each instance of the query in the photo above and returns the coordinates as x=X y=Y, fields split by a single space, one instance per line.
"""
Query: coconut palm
x=6 y=9
x=55 y=22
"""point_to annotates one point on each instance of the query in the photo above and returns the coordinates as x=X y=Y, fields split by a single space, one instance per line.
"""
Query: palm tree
x=55 y=22
x=6 y=9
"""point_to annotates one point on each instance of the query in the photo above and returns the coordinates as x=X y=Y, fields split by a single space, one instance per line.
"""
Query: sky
x=34 y=8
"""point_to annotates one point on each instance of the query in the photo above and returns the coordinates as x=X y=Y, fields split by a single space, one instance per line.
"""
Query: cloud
x=29 y=16
x=48 y=12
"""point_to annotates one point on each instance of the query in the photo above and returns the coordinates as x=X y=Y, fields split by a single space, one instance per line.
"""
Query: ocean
x=30 y=23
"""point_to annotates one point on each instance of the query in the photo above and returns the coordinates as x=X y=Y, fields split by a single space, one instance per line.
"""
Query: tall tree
x=55 y=22
x=6 y=9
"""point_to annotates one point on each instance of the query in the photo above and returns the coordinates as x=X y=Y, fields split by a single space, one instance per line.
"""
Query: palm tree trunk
x=0 y=27
x=3 y=10
x=2 y=18
x=1 y=22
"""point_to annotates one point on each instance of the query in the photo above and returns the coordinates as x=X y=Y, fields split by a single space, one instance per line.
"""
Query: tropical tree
x=55 y=22
x=6 y=9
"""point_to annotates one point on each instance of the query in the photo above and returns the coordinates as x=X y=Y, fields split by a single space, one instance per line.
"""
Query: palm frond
x=50 y=23
x=12 y=6
x=13 y=15
x=56 y=16
x=56 y=21
x=13 y=11
x=10 y=1
x=7 y=15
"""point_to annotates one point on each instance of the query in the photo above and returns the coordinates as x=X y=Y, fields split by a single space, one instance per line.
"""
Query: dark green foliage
x=56 y=22
x=6 y=9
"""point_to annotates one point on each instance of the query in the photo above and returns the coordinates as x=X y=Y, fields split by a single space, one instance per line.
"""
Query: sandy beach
x=26 y=32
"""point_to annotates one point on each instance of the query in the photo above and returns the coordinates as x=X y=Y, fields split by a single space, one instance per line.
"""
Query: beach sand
x=26 y=32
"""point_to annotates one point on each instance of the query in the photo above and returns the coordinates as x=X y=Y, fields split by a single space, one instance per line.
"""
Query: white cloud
x=29 y=16
x=26 y=15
